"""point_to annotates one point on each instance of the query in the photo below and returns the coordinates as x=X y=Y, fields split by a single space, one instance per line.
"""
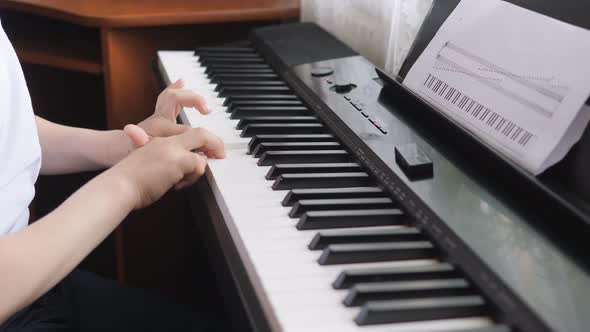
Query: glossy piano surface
x=483 y=214
x=468 y=211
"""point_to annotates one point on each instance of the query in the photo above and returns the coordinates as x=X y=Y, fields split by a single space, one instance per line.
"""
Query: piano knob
x=344 y=88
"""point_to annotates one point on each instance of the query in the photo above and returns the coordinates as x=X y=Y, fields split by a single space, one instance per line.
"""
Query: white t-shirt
x=20 y=153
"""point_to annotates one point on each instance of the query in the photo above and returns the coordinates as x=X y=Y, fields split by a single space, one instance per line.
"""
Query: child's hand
x=165 y=162
x=168 y=106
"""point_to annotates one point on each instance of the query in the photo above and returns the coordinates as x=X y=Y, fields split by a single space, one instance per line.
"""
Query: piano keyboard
x=330 y=250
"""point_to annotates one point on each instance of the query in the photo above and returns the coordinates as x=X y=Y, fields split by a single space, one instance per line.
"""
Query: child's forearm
x=36 y=258
x=69 y=150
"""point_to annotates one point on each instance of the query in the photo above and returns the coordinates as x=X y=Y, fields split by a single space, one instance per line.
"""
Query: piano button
x=280 y=169
x=414 y=162
x=275 y=119
x=244 y=77
x=293 y=146
x=269 y=84
x=351 y=218
x=259 y=97
x=322 y=193
x=306 y=205
x=364 y=235
x=321 y=180
x=436 y=271
x=376 y=252
x=275 y=103
x=397 y=290
x=355 y=105
x=283 y=128
x=246 y=111
x=270 y=158
x=238 y=90
x=382 y=312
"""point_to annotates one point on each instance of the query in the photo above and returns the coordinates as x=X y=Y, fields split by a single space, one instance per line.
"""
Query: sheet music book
x=515 y=78
x=380 y=30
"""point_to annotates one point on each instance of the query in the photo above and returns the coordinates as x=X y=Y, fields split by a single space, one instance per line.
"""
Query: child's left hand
x=169 y=104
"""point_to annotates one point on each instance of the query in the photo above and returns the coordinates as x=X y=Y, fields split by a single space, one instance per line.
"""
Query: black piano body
x=519 y=239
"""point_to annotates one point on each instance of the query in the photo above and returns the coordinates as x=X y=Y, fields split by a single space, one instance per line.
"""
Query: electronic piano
x=347 y=203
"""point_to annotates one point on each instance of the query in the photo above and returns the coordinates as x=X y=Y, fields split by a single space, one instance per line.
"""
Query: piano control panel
x=444 y=192
x=353 y=101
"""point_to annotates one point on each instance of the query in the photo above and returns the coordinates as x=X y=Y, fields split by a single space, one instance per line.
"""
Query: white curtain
x=381 y=30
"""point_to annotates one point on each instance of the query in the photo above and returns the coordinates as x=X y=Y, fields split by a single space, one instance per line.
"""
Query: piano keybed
x=332 y=251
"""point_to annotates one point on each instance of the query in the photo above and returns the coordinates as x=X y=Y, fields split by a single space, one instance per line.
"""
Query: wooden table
x=116 y=41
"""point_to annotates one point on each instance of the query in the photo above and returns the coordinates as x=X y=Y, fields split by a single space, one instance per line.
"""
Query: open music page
x=515 y=78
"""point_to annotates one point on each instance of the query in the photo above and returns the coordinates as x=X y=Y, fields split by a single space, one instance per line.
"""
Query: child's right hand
x=165 y=162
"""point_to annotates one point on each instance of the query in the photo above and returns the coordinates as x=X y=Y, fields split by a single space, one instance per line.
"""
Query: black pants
x=86 y=302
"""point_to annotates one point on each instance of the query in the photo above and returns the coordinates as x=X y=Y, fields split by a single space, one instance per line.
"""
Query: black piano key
x=369 y=235
x=220 y=54
x=242 y=77
x=398 y=311
x=229 y=49
x=294 y=146
x=376 y=252
x=226 y=84
x=283 y=128
x=398 y=290
x=288 y=138
x=306 y=205
x=230 y=61
x=254 y=90
x=257 y=103
x=435 y=271
x=260 y=97
x=247 y=111
x=275 y=119
x=270 y=158
x=351 y=218
x=243 y=66
x=280 y=169
x=321 y=180
x=228 y=55
x=262 y=71
x=321 y=193
x=212 y=68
